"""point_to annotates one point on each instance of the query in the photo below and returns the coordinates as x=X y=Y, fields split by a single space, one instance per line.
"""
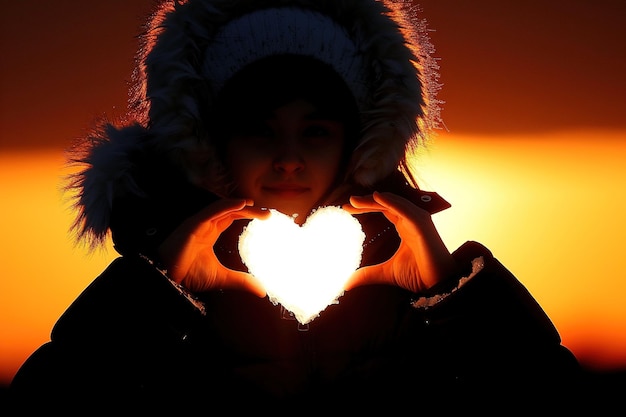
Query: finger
x=251 y=212
x=242 y=280
x=223 y=208
x=218 y=216
x=398 y=205
x=381 y=201
x=362 y=204
x=211 y=213
x=359 y=201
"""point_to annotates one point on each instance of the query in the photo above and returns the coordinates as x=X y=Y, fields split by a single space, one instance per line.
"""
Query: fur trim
x=170 y=94
x=106 y=164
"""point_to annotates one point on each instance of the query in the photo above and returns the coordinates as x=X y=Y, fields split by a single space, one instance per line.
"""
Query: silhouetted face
x=287 y=159
x=285 y=128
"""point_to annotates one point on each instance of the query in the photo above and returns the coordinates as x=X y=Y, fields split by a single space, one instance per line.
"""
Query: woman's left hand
x=422 y=259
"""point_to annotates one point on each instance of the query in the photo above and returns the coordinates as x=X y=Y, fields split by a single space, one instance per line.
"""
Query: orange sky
x=506 y=67
x=532 y=160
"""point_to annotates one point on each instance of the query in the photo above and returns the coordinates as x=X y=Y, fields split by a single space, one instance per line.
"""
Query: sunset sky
x=532 y=156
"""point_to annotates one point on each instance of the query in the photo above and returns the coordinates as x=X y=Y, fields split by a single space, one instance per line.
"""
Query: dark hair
x=271 y=82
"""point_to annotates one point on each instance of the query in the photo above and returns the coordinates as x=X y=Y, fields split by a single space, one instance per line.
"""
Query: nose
x=288 y=162
x=288 y=158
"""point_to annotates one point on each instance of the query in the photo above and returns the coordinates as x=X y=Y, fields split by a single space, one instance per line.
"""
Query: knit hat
x=283 y=31
x=191 y=48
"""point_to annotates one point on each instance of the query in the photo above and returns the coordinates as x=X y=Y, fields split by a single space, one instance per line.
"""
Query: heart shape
x=304 y=268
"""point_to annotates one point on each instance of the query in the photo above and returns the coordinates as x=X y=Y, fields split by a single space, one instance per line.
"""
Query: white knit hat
x=279 y=31
x=192 y=47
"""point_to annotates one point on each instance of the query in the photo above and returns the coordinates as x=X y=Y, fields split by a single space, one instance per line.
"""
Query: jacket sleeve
x=491 y=291
x=131 y=327
x=488 y=329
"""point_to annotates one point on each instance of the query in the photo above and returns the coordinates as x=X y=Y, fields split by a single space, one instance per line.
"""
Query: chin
x=295 y=214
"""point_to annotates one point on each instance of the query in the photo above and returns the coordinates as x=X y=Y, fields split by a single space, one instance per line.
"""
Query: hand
x=188 y=253
x=422 y=259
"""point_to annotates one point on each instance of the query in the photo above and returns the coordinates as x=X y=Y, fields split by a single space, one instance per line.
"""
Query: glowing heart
x=304 y=268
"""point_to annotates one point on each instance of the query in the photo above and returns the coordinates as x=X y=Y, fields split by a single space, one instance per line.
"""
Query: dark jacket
x=134 y=338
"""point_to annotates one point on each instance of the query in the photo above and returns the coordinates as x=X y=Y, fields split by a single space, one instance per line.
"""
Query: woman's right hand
x=422 y=259
x=188 y=253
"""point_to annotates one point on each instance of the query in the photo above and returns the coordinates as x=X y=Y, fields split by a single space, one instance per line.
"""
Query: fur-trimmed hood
x=170 y=92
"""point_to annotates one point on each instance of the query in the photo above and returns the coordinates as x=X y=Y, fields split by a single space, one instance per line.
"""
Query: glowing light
x=304 y=268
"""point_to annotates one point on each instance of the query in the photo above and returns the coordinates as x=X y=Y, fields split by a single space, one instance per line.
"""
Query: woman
x=243 y=106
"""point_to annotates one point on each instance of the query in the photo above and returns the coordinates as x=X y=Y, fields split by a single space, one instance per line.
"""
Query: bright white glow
x=304 y=268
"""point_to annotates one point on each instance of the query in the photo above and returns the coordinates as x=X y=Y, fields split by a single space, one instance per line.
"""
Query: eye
x=322 y=132
x=316 y=130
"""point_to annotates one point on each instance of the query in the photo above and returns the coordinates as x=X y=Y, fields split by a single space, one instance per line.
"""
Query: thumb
x=372 y=274
x=246 y=281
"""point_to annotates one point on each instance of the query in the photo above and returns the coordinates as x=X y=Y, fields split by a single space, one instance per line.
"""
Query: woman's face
x=288 y=159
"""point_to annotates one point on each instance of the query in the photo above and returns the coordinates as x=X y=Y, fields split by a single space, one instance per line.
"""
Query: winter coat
x=136 y=339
